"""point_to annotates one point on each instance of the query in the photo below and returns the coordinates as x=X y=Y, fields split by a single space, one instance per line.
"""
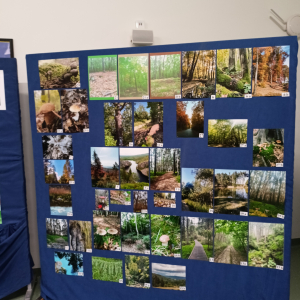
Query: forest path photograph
x=167 y=182
x=230 y=256
x=198 y=252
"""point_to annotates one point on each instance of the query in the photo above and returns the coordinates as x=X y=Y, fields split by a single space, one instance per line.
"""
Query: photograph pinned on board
x=67 y=263
x=120 y=197
x=105 y=168
x=107 y=269
x=57 y=146
x=190 y=119
x=2 y=91
x=165 y=200
x=107 y=231
x=59 y=171
x=148 y=123
x=270 y=76
x=59 y=73
x=140 y=201
x=267 y=193
x=48 y=111
x=133 y=76
x=197 y=189
x=137 y=271
x=101 y=199
x=198 y=74
x=103 y=77
x=118 y=123
x=197 y=238
x=268 y=147
x=60 y=200
x=233 y=72
x=134 y=163
x=227 y=133
x=6 y=48
x=135 y=232
x=57 y=233
x=80 y=233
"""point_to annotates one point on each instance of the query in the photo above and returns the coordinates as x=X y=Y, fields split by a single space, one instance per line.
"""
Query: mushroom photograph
x=101 y=199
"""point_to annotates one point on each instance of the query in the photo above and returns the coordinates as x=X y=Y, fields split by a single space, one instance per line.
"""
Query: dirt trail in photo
x=198 y=252
x=166 y=182
x=230 y=256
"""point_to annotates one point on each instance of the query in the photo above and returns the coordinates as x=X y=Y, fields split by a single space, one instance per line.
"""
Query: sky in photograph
x=233 y=122
x=187 y=175
x=144 y=104
x=169 y=270
x=59 y=166
x=189 y=106
x=108 y=155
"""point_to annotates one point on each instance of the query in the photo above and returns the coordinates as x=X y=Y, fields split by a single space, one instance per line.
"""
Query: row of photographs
x=221 y=73
x=221 y=241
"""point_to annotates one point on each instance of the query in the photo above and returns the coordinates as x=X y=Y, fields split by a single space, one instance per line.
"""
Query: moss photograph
x=137 y=271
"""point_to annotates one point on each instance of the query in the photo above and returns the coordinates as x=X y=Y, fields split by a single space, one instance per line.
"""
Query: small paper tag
x=116 y=97
x=118 y=249
x=201 y=135
x=69 y=214
x=146 y=284
x=243 y=213
x=120 y=280
x=173 y=205
x=280 y=216
x=146 y=188
x=59 y=131
x=145 y=97
x=147 y=252
x=248 y=96
x=80 y=273
x=177 y=96
x=279 y=165
x=106 y=208
x=130 y=144
x=144 y=211
x=89 y=250
x=182 y=288
x=71 y=157
x=243 y=145
x=211 y=259
x=223 y=96
x=117 y=187
x=279 y=267
x=177 y=255
x=213 y=97
x=160 y=144
x=177 y=189
x=86 y=130
x=67 y=248
x=286 y=94
x=127 y=203
x=164 y=244
x=243 y=263
x=211 y=211
x=71 y=182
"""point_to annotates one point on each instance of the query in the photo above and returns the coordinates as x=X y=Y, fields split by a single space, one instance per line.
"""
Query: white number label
x=145 y=97
x=80 y=273
x=211 y=259
x=243 y=145
x=71 y=157
x=286 y=94
x=89 y=250
x=147 y=252
x=223 y=96
x=279 y=165
x=201 y=135
x=130 y=144
x=213 y=97
x=128 y=203
x=59 y=131
x=182 y=288
x=177 y=96
x=71 y=182
x=117 y=187
x=173 y=205
x=146 y=188
x=160 y=144
x=144 y=211
x=280 y=216
x=116 y=97
x=248 y=96
x=69 y=214
x=177 y=255
x=243 y=263
x=120 y=280
x=146 y=284
x=67 y=248
x=279 y=267
x=118 y=249
x=86 y=130
x=106 y=208
x=243 y=213
x=211 y=211
x=177 y=189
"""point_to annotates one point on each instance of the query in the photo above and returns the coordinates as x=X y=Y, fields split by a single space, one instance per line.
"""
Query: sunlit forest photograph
x=107 y=269
x=270 y=76
x=140 y=201
x=198 y=73
x=233 y=72
x=60 y=200
x=57 y=233
x=165 y=75
x=137 y=271
x=67 y=263
x=57 y=146
x=267 y=193
x=164 y=199
x=101 y=199
x=80 y=235
x=118 y=197
x=58 y=171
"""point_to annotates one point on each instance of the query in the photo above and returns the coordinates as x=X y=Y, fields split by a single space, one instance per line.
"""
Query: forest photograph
x=80 y=235
x=190 y=118
x=197 y=189
x=227 y=133
x=137 y=271
x=230 y=242
x=266 y=245
x=103 y=81
x=68 y=263
x=198 y=73
x=168 y=277
x=47 y=111
x=75 y=111
x=270 y=75
x=58 y=171
x=134 y=164
x=107 y=231
x=133 y=76
x=148 y=123
x=268 y=147
x=140 y=201
x=120 y=197
x=165 y=235
x=165 y=75
x=233 y=72
x=231 y=191
x=117 y=123
x=164 y=199
x=57 y=146
x=135 y=232
x=165 y=169
x=59 y=73
x=267 y=193
x=107 y=269
x=57 y=233
x=101 y=199
x=197 y=238
x=60 y=200
x=105 y=167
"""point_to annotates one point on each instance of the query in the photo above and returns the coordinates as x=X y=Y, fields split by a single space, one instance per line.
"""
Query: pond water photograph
x=67 y=263
x=60 y=200
x=80 y=235
x=58 y=171
x=120 y=197
x=101 y=199
x=57 y=233
x=137 y=271
x=107 y=269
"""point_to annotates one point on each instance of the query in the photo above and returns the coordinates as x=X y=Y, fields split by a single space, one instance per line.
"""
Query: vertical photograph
x=59 y=171
x=140 y=201
x=137 y=271
x=233 y=72
x=198 y=74
x=165 y=75
x=67 y=263
x=57 y=146
x=101 y=199
x=57 y=233
x=60 y=200
x=164 y=200
x=270 y=75
x=107 y=269
x=148 y=123
x=267 y=193
x=133 y=76
x=80 y=235
x=197 y=238
x=120 y=197
x=6 y=48
x=103 y=77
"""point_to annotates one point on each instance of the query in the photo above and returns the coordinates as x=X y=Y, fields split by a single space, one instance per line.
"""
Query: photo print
x=165 y=75
x=120 y=197
x=233 y=72
x=198 y=73
x=133 y=76
x=80 y=233
x=137 y=271
x=107 y=231
x=107 y=269
x=267 y=193
x=6 y=48
x=2 y=91
x=227 y=133
x=101 y=199
x=148 y=123
x=270 y=76
x=60 y=200
x=165 y=200
x=103 y=78
x=57 y=233
x=57 y=146
x=59 y=171
x=268 y=147
x=59 y=73
x=135 y=232
x=68 y=263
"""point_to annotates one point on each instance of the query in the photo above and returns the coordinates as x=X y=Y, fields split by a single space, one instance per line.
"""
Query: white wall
x=63 y=25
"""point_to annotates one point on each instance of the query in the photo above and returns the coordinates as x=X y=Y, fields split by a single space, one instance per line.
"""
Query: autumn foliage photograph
x=58 y=171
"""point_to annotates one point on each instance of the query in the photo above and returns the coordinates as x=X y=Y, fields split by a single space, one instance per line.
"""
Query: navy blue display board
x=204 y=279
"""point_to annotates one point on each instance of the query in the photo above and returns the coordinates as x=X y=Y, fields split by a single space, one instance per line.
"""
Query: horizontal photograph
x=58 y=171
x=57 y=146
x=67 y=263
x=107 y=269
x=120 y=197
x=80 y=233
x=57 y=233
x=101 y=199
x=137 y=271
x=60 y=200
x=140 y=201
x=164 y=200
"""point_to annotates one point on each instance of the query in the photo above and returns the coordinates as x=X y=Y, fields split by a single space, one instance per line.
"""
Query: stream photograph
x=60 y=200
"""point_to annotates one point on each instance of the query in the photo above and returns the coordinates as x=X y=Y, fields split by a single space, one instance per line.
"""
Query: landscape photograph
x=197 y=238
x=57 y=146
x=165 y=166
x=148 y=123
x=117 y=123
x=133 y=76
x=231 y=191
x=101 y=199
x=227 y=133
x=105 y=168
x=107 y=231
x=135 y=232
x=80 y=235
x=233 y=72
x=58 y=171
x=164 y=199
x=134 y=163
x=120 y=197
x=103 y=80
x=107 y=269
x=267 y=193
x=268 y=147
x=165 y=75
x=67 y=263
x=137 y=271
x=190 y=118
x=57 y=233
x=197 y=189
x=266 y=245
x=230 y=242
x=60 y=200
x=198 y=73
x=270 y=75
x=140 y=201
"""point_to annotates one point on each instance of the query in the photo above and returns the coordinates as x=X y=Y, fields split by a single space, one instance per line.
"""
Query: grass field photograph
x=107 y=269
